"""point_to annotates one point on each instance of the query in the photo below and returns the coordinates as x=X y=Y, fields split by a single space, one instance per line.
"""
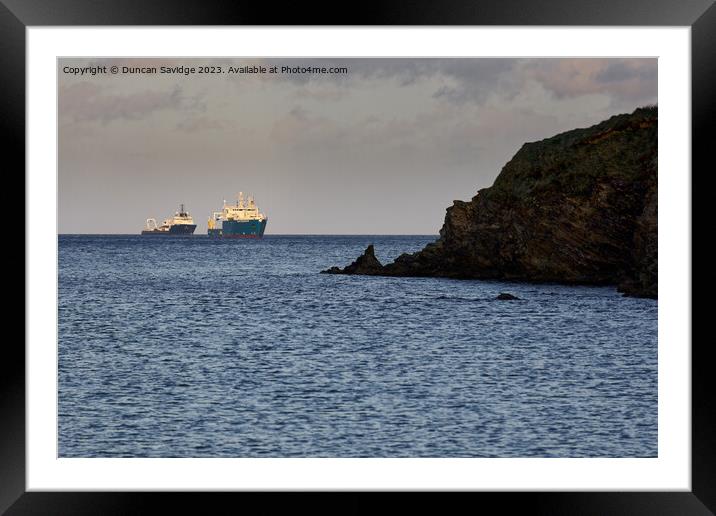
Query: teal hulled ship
x=180 y=224
x=239 y=220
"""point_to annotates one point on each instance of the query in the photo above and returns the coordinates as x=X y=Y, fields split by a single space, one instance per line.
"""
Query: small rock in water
x=504 y=296
x=366 y=264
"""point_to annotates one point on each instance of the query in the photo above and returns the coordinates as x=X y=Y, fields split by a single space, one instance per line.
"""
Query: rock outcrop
x=578 y=208
x=366 y=264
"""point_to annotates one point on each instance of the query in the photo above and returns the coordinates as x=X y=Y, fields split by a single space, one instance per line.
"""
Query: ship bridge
x=242 y=210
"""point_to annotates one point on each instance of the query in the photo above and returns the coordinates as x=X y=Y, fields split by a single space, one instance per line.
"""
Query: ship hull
x=176 y=229
x=240 y=229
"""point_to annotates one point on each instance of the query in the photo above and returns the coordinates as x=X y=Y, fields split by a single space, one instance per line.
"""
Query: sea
x=199 y=347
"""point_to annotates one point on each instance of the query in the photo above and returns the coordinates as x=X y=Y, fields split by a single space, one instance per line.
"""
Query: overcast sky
x=383 y=149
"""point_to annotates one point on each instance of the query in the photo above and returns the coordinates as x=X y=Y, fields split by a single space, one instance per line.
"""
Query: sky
x=381 y=148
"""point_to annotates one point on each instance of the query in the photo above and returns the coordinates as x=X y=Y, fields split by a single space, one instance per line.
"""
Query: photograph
x=357 y=257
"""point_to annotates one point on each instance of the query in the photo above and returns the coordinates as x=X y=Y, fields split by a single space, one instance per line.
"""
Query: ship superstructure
x=241 y=219
x=180 y=224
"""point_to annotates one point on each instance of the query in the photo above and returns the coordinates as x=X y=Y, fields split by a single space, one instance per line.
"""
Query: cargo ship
x=239 y=220
x=180 y=224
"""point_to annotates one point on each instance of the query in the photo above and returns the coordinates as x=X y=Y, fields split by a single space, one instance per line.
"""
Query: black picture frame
x=17 y=15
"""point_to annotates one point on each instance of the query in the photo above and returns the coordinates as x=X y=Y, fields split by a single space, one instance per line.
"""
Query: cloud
x=202 y=123
x=622 y=79
x=458 y=81
x=88 y=102
x=322 y=91
x=300 y=128
x=476 y=80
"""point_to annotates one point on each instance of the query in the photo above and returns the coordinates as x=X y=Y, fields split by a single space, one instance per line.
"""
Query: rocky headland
x=578 y=208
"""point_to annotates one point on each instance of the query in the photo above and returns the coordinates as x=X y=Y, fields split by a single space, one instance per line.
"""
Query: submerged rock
x=503 y=296
x=577 y=208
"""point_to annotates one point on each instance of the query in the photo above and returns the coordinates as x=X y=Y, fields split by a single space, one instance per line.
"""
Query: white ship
x=238 y=220
x=180 y=224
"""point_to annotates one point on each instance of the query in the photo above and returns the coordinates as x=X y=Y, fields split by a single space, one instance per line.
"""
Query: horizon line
x=266 y=235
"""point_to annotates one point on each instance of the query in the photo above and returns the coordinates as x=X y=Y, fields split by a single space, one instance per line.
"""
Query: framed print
x=429 y=251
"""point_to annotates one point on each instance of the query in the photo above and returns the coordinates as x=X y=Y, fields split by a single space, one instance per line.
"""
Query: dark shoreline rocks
x=577 y=208
x=366 y=264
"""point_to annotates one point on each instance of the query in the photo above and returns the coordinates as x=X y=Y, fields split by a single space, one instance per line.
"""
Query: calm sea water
x=191 y=347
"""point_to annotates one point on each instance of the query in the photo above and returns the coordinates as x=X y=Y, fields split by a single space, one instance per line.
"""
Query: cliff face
x=580 y=207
